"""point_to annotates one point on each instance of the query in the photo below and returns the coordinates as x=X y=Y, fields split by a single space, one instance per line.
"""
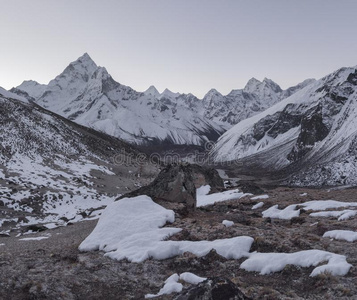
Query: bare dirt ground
x=53 y=268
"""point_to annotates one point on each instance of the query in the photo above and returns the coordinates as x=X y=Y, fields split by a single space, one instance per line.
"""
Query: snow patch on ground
x=291 y=211
x=70 y=192
x=258 y=205
x=260 y=197
x=131 y=229
x=285 y=214
x=227 y=223
x=173 y=286
x=191 y=278
x=34 y=238
x=266 y=263
x=346 y=235
x=204 y=199
x=340 y=214
x=326 y=204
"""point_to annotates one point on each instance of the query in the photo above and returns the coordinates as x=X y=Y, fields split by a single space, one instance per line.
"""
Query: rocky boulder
x=178 y=183
x=215 y=288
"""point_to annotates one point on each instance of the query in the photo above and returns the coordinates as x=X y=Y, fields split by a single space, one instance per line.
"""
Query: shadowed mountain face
x=88 y=95
x=313 y=131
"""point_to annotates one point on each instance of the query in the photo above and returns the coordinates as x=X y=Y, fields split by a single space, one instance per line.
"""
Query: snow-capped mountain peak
x=267 y=86
x=87 y=94
x=212 y=92
x=32 y=88
x=82 y=69
x=86 y=61
x=272 y=85
x=168 y=94
x=252 y=85
x=152 y=91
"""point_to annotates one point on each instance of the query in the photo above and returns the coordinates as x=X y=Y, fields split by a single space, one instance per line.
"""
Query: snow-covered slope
x=32 y=88
x=88 y=95
x=238 y=105
x=52 y=168
x=11 y=95
x=315 y=128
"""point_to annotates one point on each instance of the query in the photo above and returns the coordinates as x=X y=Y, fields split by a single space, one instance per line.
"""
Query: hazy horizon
x=187 y=47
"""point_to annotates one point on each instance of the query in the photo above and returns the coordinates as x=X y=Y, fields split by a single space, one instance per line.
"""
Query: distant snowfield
x=132 y=229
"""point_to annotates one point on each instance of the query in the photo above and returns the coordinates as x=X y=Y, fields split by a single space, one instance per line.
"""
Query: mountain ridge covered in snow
x=88 y=95
x=315 y=128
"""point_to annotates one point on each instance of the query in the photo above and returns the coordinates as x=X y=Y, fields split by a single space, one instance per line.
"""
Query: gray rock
x=178 y=182
x=216 y=288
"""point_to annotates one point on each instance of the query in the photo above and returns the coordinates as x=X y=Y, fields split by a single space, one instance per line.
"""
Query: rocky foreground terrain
x=54 y=268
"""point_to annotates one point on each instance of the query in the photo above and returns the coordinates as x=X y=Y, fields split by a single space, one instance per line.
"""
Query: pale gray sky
x=183 y=45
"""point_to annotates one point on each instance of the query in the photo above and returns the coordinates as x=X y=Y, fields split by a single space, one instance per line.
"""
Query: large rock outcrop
x=178 y=183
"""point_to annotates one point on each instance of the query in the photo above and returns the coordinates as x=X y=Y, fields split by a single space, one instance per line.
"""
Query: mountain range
x=312 y=134
x=88 y=95
x=307 y=131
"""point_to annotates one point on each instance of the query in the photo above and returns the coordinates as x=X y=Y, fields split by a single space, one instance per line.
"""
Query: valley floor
x=54 y=268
